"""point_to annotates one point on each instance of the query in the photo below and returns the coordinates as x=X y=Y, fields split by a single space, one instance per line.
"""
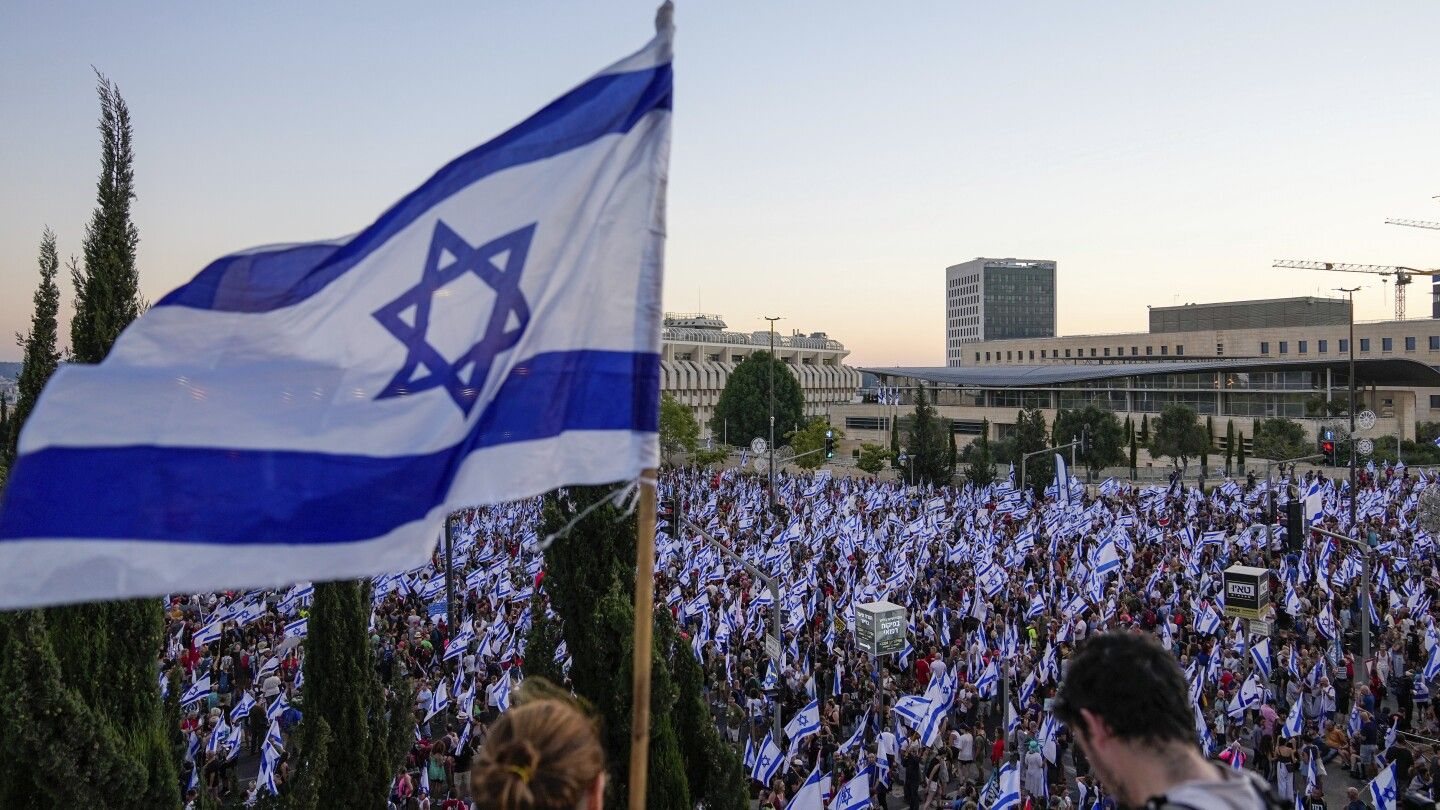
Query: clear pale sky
x=829 y=160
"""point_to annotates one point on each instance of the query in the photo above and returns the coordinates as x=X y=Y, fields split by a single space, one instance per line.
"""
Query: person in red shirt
x=922 y=671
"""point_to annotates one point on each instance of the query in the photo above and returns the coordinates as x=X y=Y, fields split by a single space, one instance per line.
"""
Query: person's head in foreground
x=1127 y=703
x=543 y=754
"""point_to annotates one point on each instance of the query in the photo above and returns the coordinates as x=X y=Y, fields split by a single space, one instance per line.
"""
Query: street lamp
x=772 y=406
x=1350 y=293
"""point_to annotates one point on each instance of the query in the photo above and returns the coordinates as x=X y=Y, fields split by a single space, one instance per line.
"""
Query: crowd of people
x=1000 y=587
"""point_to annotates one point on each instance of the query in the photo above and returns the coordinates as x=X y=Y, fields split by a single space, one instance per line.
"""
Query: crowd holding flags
x=999 y=587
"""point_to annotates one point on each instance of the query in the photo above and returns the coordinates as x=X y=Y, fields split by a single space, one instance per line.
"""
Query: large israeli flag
x=315 y=410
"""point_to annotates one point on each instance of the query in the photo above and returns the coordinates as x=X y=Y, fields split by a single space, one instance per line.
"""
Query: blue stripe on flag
x=261 y=281
x=223 y=495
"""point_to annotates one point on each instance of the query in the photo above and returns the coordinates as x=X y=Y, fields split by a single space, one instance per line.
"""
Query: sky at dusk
x=829 y=160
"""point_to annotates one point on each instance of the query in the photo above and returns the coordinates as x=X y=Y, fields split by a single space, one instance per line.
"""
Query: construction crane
x=1414 y=223
x=1402 y=275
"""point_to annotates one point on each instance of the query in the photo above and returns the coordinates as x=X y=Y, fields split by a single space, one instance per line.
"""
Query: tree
x=590 y=582
x=679 y=432
x=981 y=471
x=872 y=458
x=4 y=431
x=1031 y=436
x=41 y=354
x=954 y=455
x=745 y=402
x=1229 y=444
x=344 y=700
x=927 y=451
x=1145 y=429
x=1107 y=446
x=811 y=439
x=895 y=445
x=1279 y=438
x=55 y=750
x=1134 y=458
x=1178 y=435
x=1240 y=452
x=712 y=771
x=107 y=292
x=1129 y=428
x=113 y=672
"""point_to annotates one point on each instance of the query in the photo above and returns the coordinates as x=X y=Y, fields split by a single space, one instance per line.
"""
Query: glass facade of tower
x=1019 y=301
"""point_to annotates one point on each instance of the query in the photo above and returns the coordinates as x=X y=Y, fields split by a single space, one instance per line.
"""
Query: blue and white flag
x=1384 y=793
x=315 y=410
x=767 y=761
x=1008 y=796
x=855 y=795
x=1294 y=722
x=809 y=796
x=804 y=723
x=1432 y=664
x=197 y=692
x=1260 y=653
x=1062 y=481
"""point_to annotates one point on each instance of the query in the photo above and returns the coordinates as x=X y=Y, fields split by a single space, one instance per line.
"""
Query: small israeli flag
x=855 y=795
x=1383 y=791
x=1008 y=795
x=315 y=410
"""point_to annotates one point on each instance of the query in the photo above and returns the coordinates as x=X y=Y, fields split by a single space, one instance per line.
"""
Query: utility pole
x=1365 y=552
x=772 y=407
x=1354 y=492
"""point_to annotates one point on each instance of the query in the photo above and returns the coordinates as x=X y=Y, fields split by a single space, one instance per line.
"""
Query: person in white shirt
x=965 y=756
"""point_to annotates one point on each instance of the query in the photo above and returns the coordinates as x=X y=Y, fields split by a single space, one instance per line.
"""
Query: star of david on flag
x=313 y=411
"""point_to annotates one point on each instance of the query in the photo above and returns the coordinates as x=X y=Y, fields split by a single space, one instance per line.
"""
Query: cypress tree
x=1134 y=457
x=1145 y=429
x=1240 y=452
x=895 y=445
x=41 y=354
x=928 y=456
x=4 y=431
x=55 y=750
x=106 y=652
x=1229 y=444
x=342 y=691
x=982 y=467
x=712 y=769
x=107 y=292
x=954 y=454
x=590 y=581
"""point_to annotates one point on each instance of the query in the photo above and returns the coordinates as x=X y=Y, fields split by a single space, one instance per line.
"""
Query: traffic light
x=1327 y=446
x=829 y=444
x=1294 y=523
x=1085 y=440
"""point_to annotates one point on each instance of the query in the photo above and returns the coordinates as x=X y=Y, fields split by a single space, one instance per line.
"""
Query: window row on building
x=1019 y=355
x=1363 y=344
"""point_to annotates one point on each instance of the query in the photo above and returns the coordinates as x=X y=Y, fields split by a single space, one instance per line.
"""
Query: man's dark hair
x=1133 y=684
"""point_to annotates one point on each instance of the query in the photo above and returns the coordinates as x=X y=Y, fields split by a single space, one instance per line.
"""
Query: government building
x=1238 y=361
x=698 y=352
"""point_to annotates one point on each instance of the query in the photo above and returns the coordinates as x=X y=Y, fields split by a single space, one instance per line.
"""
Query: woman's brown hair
x=543 y=754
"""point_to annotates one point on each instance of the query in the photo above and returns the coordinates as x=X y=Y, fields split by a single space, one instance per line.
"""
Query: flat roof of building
x=1377 y=371
x=1303 y=299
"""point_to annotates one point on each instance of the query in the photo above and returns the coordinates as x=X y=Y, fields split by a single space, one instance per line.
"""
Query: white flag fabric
x=809 y=796
x=1384 y=793
x=855 y=795
x=315 y=410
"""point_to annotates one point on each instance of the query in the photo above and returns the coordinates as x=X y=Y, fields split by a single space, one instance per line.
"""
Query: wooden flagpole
x=644 y=633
